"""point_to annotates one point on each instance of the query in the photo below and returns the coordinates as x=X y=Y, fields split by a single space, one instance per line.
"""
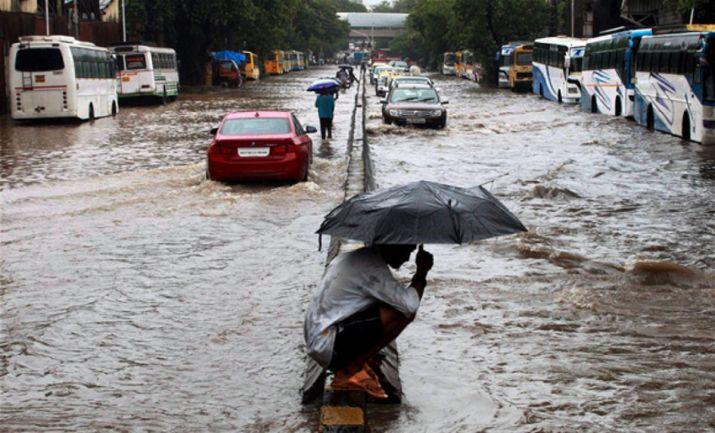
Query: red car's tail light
x=280 y=149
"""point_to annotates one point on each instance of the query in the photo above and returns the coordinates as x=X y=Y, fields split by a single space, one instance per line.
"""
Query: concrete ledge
x=345 y=411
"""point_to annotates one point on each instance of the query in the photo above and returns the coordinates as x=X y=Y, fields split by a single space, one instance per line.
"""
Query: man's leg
x=322 y=128
x=329 y=123
x=393 y=323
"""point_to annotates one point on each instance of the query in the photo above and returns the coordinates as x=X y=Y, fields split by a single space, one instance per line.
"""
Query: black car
x=416 y=104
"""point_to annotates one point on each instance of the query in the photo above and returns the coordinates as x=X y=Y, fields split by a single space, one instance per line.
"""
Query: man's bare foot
x=361 y=381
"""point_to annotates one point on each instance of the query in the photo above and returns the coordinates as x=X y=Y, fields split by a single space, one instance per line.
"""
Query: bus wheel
x=686 y=126
x=618 y=107
x=91 y=112
x=649 y=122
x=594 y=104
x=559 y=98
x=163 y=97
x=114 y=109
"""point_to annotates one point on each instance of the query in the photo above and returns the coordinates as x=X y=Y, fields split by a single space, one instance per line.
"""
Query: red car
x=260 y=145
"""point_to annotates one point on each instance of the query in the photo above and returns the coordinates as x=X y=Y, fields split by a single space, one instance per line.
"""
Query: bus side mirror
x=445 y=101
x=214 y=131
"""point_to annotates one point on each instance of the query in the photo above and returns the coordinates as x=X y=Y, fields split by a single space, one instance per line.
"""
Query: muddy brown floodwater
x=137 y=296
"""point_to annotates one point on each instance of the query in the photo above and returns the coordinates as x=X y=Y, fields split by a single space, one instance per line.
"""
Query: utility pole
x=47 y=17
x=124 y=22
x=573 y=19
x=76 y=19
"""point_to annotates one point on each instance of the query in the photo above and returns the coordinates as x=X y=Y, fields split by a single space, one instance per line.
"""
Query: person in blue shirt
x=325 y=102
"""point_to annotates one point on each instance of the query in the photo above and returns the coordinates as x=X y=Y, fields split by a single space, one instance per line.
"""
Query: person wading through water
x=359 y=309
x=325 y=102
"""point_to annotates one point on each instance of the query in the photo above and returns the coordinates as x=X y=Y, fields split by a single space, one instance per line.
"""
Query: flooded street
x=137 y=296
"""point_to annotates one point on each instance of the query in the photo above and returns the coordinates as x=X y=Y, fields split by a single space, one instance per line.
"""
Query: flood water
x=137 y=296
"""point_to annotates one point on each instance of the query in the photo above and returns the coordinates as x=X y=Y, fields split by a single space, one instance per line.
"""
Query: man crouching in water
x=360 y=308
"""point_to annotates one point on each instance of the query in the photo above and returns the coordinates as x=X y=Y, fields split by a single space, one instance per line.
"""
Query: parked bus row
x=279 y=62
x=663 y=78
x=61 y=77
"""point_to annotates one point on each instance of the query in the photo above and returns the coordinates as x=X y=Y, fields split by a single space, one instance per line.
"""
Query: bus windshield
x=135 y=61
x=39 y=59
x=256 y=126
x=523 y=58
x=449 y=59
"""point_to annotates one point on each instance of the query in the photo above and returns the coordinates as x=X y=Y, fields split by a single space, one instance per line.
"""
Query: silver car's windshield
x=414 y=95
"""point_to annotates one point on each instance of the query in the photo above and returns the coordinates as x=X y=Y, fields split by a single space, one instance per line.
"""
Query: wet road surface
x=137 y=296
x=598 y=319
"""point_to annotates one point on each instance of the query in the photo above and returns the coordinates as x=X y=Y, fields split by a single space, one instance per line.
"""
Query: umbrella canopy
x=421 y=212
x=323 y=84
x=229 y=55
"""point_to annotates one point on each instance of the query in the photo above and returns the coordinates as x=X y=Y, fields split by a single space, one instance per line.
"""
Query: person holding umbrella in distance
x=360 y=307
x=327 y=90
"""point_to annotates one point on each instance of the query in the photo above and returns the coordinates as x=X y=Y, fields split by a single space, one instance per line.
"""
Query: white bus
x=675 y=84
x=608 y=70
x=557 y=68
x=144 y=71
x=61 y=77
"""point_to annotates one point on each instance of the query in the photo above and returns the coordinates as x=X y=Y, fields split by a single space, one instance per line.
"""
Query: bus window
x=523 y=58
x=39 y=59
x=135 y=61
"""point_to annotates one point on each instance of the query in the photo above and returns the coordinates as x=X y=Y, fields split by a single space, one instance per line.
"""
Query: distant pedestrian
x=325 y=102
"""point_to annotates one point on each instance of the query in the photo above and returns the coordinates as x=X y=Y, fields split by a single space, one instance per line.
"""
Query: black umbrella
x=421 y=212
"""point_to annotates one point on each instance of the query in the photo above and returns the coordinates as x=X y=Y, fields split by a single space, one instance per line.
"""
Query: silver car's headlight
x=394 y=112
x=436 y=112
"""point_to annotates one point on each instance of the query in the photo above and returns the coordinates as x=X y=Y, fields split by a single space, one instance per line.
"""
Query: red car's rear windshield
x=256 y=126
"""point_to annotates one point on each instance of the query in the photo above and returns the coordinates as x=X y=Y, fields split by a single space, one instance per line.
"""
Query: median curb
x=345 y=411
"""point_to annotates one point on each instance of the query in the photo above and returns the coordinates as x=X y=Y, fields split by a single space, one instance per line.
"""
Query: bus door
x=132 y=80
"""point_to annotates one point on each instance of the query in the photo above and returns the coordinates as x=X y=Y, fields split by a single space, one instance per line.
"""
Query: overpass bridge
x=377 y=28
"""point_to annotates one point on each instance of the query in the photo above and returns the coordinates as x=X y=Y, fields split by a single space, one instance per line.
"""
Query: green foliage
x=349 y=6
x=437 y=26
x=384 y=6
x=196 y=28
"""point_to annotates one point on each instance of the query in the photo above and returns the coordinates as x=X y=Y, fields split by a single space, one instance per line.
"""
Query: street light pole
x=124 y=22
x=47 y=17
x=573 y=19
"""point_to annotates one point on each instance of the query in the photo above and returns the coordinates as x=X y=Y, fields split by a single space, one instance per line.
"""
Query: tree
x=349 y=6
x=384 y=6
x=256 y=25
x=438 y=26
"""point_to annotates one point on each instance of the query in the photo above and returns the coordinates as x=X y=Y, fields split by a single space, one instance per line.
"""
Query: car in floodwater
x=399 y=64
x=417 y=104
x=409 y=80
x=384 y=77
x=260 y=145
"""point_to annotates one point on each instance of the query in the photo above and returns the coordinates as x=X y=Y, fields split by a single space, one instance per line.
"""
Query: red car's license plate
x=254 y=152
